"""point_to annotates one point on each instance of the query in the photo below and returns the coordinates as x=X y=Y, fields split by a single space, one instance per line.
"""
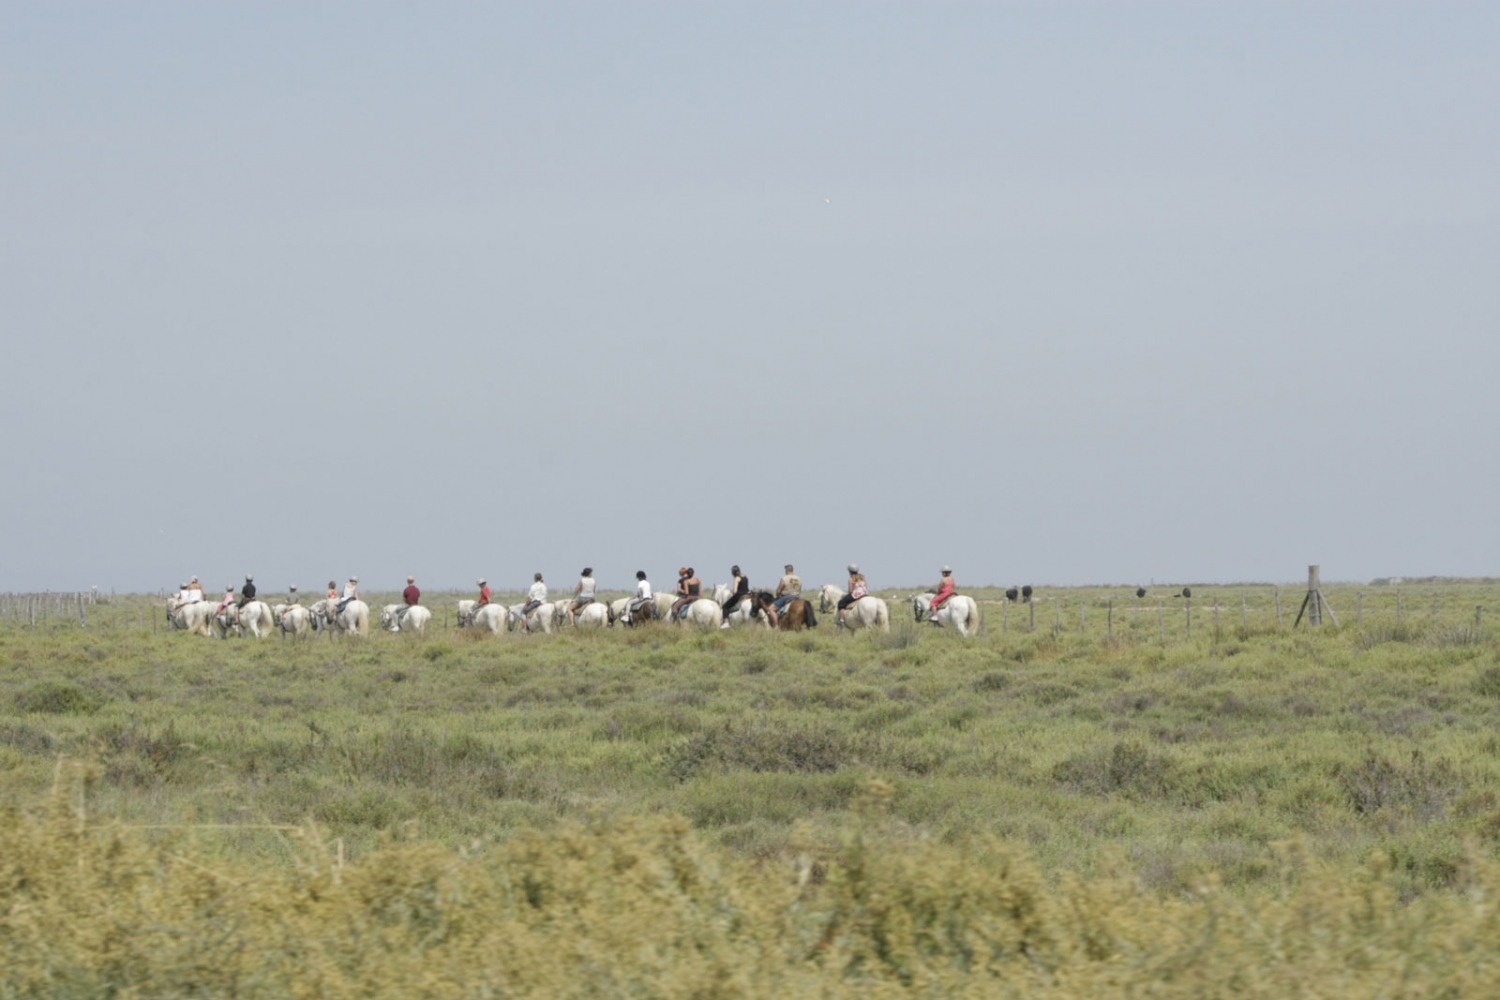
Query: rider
x=247 y=592
x=291 y=595
x=788 y=589
x=689 y=589
x=227 y=601
x=410 y=598
x=484 y=594
x=194 y=591
x=182 y=596
x=945 y=590
x=351 y=593
x=535 y=595
x=857 y=588
x=642 y=596
x=739 y=589
x=583 y=594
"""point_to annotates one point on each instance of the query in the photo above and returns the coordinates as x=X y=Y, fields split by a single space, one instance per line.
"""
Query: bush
x=1415 y=785
x=58 y=698
x=807 y=749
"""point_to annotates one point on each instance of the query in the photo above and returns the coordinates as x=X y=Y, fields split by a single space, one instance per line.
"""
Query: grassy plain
x=1082 y=785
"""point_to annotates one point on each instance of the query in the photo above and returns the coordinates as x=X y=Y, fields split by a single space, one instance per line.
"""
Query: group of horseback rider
x=192 y=593
x=689 y=589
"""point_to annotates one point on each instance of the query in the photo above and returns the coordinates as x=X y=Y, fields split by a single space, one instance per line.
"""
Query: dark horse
x=644 y=613
x=797 y=615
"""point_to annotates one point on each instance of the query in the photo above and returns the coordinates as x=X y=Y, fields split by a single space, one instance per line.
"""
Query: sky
x=1053 y=293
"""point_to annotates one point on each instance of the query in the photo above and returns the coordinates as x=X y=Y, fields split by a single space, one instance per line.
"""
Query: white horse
x=415 y=619
x=542 y=618
x=293 y=619
x=867 y=612
x=743 y=613
x=256 y=617
x=225 y=621
x=703 y=613
x=354 y=618
x=472 y=615
x=828 y=597
x=196 y=616
x=595 y=615
x=958 y=611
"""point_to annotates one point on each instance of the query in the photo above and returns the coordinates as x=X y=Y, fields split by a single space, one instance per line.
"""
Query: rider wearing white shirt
x=642 y=596
x=583 y=594
x=535 y=595
x=351 y=593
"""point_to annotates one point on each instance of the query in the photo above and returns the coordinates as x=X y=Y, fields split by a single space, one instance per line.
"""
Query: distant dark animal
x=1011 y=594
x=1140 y=592
x=1026 y=593
x=1186 y=592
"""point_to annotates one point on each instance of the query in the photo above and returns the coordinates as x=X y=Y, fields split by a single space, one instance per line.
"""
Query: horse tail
x=882 y=615
x=808 y=618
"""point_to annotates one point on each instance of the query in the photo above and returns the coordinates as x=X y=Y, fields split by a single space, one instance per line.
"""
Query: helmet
x=854 y=567
x=249 y=578
x=947 y=570
x=479 y=582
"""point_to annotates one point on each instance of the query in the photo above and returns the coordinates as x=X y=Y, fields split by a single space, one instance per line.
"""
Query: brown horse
x=797 y=615
x=645 y=613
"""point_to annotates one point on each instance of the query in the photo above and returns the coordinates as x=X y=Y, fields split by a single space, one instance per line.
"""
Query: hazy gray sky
x=1052 y=292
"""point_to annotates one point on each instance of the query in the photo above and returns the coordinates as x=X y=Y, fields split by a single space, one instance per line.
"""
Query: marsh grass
x=1089 y=761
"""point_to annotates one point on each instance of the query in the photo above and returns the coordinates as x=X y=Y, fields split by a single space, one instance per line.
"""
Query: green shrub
x=58 y=698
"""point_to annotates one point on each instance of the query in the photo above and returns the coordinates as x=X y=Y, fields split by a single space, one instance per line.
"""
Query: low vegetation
x=1243 y=809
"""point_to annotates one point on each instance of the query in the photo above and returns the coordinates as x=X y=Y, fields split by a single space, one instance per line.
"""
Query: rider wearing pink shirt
x=945 y=590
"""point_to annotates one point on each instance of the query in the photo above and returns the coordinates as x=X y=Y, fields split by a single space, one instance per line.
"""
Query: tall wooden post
x=1313 y=604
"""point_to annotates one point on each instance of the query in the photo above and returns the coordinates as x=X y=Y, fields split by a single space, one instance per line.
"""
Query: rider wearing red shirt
x=411 y=595
x=945 y=590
